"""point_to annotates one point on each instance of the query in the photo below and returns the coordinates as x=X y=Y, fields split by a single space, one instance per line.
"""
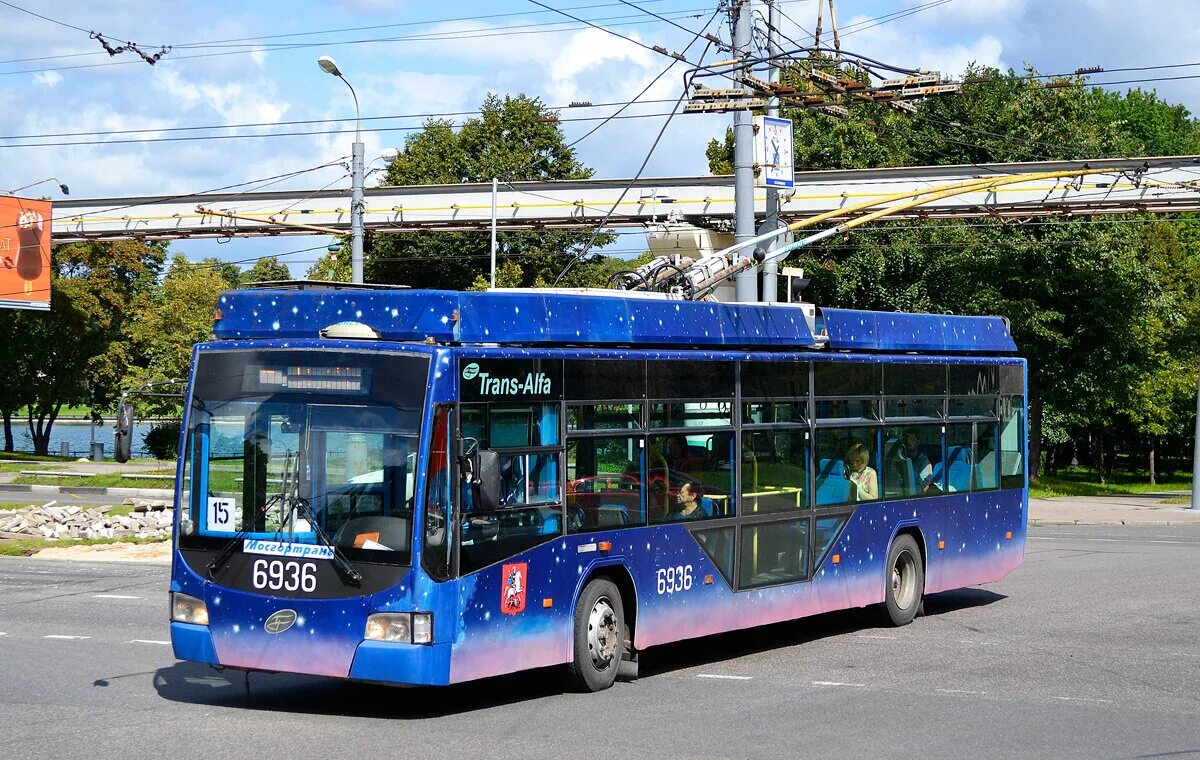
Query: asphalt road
x=1091 y=649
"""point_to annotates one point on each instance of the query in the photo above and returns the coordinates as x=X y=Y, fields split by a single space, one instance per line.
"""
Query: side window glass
x=774 y=553
x=847 y=465
x=604 y=484
x=717 y=543
x=689 y=476
x=970 y=457
x=912 y=461
x=1012 y=442
x=438 y=508
x=774 y=471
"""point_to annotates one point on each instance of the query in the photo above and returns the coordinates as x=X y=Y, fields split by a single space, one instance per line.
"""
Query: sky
x=245 y=70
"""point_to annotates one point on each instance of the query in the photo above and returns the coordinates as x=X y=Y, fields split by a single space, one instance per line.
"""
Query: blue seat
x=960 y=471
x=898 y=476
x=832 y=485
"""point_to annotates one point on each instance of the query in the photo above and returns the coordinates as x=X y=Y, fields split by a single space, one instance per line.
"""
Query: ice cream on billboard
x=24 y=253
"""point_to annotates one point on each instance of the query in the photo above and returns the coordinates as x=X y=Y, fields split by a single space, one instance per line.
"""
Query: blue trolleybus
x=424 y=487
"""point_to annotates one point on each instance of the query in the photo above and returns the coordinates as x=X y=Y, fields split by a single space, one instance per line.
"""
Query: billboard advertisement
x=24 y=253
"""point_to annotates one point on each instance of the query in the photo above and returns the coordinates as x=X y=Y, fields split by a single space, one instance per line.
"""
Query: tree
x=80 y=352
x=267 y=269
x=1085 y=299
x=514 y=138
x=179 y=315
x=231 y=273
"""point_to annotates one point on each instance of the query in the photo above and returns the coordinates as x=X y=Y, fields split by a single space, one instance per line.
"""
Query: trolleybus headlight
x=390 y=626
x=422 y=628
x=400 y=627
x=188 y=609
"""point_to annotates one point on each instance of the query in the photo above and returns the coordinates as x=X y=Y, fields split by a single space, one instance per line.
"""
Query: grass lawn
x=107 y=480
x=23 y=457
x=18 y=466
x=1083 y=482
x=25 y=547
x=1178 y=500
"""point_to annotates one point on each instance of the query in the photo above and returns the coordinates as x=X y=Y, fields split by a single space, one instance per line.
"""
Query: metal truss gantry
x=1139 y=185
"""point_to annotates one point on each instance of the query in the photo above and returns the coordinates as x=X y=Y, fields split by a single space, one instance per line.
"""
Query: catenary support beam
x=1152 y=185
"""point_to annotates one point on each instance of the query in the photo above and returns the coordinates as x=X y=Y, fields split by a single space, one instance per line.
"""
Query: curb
x=1147 y=523
x=140 y=493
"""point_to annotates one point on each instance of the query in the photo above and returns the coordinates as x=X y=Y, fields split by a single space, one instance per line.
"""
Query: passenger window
x=912 y=461
x=604 y=484
x=435 y=557
x=775 y=380
x=849 y=410
x=913 y=408
x=914 y=379
x=689 y=476
x=970 y=457
x=847 y=465
x=974 y=379
x=604 y=379
x=717 y=543
x=604 y=417
x=773 y=412
x=1012 y=439
x=774 y=553
x=691 y=414
x=774 y=471
x=827 y=529
x=847 y=378
x=690 y=379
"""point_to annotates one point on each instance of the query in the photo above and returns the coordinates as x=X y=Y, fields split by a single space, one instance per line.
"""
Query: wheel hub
x=602 y=634
x=904 y=580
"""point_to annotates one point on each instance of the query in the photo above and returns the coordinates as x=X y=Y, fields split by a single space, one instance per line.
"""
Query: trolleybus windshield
x=284 y=445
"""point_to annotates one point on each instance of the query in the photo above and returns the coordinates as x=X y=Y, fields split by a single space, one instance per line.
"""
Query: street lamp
x=65 y=190
x=329 y=66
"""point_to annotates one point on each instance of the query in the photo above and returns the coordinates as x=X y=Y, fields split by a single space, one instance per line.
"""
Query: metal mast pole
x=770 y=279
x=1196 y=457
x=743 y=159
x=495 y=189
x=356 y=213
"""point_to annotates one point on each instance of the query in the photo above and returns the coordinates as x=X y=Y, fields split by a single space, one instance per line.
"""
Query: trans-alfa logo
x=532 y=384
x=280 y=621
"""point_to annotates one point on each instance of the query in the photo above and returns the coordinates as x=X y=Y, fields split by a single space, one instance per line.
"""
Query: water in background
x=78 y=437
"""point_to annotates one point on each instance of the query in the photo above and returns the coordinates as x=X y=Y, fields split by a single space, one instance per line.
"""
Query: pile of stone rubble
x=149 y=519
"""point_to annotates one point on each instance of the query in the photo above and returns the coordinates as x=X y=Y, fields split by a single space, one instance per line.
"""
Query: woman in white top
x=863 y=477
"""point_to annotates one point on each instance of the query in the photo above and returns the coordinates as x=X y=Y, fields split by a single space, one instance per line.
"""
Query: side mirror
x=123 y=444
x=487 y=479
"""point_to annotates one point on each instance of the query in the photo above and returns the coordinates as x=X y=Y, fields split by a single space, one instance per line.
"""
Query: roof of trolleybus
x=599 y=318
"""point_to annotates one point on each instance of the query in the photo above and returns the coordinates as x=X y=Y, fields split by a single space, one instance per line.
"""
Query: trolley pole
x=770 y=278
x=746 y=284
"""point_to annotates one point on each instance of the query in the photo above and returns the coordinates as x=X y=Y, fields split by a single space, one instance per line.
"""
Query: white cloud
x=48 y=78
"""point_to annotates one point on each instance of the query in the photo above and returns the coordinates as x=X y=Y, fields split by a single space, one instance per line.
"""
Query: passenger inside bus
x=863 y=478
x=691 y=504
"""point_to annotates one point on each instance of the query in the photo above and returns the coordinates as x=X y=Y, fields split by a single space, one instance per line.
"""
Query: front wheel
x=904 y=581
x=599 y=637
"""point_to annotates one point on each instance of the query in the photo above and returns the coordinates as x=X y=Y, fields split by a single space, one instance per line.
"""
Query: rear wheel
x=904 y=581
x=599 y=639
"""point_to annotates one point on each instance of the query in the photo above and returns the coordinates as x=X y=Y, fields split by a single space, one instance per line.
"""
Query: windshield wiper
x=219 y=561
x=340 y=561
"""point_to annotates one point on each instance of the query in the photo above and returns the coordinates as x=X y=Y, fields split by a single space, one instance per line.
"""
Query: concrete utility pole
x=770 y=278
x=495 y=189
x=743 y=159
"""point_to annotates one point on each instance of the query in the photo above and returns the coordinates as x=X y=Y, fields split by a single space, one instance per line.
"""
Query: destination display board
x=24 y=253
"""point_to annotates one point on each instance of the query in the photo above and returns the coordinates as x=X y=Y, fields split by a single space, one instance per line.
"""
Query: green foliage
x=179 y=314
x=267 y=269
x=514 y=138
x=1106 y=310
x=162 y=441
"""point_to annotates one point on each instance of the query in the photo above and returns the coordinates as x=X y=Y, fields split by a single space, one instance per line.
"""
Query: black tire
x=599 y=637
x=903 y=582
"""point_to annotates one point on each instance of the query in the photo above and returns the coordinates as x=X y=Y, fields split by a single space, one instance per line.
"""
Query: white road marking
x=866 y=636
x=959 y=691
x=66 y=638
x=149 y=641
x=2 y=633
x=1083 y=699
x=1168 y=542
x=114 y=596
x=727 y=678
x=835 y=683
